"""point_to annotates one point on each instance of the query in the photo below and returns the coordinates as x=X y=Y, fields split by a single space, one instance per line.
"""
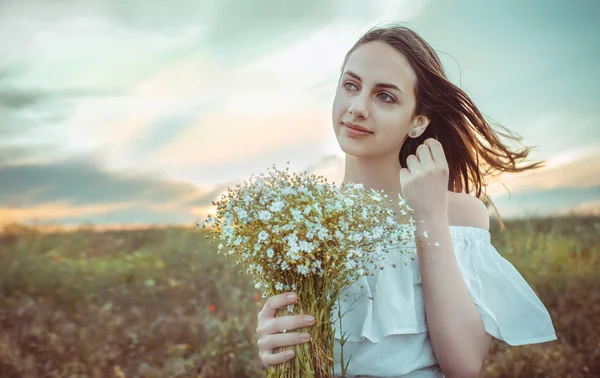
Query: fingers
x=271 y=359
x=404 y=174
x=437 y=151
x=412 y=163
x=288 y=322
x=269 y=329
x=273 y=304
x=268 y=343
x=271 y=337
x=428 y=154
x=424 y=155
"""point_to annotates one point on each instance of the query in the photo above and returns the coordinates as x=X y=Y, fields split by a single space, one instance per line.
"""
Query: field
x=162 y=303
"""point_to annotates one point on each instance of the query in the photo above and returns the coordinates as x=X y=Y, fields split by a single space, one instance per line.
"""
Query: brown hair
x=472 y=148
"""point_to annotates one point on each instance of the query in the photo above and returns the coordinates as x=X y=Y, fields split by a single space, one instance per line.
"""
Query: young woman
x=406 y=129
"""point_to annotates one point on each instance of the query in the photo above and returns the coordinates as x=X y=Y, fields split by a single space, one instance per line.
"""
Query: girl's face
x=375 y=91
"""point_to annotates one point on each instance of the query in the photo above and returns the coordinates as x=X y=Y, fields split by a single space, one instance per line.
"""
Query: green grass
x=162 y=303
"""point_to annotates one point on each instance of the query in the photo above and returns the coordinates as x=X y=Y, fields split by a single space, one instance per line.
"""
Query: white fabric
x=387 y=336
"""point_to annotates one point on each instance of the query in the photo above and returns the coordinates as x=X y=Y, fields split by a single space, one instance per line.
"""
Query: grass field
x=162 y=303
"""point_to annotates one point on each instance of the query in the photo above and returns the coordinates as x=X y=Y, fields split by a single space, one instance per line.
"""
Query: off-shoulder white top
x=388 y=337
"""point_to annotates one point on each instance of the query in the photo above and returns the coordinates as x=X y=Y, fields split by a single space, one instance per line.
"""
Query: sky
x=131 y=112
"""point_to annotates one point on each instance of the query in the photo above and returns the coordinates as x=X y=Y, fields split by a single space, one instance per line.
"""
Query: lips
x=356 y=127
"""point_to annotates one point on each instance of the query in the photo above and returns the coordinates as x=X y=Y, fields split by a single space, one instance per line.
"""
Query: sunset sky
x=132 y=112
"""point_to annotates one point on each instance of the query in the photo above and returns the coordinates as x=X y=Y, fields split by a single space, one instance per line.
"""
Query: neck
x=379 y=174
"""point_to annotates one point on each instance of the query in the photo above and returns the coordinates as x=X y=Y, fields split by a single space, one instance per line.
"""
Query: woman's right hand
x=270 y=327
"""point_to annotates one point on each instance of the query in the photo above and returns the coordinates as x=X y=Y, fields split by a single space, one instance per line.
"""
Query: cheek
x=337 y=110
x=337 y=104
x=396 y=126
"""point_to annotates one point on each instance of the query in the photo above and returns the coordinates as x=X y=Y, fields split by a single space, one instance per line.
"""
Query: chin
x=352 y=149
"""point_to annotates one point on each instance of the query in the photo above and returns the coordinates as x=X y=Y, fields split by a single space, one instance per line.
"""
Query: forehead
x=378 y=62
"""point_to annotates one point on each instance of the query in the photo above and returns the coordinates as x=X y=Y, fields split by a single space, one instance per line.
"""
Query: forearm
x=455 y=326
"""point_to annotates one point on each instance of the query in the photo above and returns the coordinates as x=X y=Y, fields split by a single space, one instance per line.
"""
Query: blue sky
x=131 y=112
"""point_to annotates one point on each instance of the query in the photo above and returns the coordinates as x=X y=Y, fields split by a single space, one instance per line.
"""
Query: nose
x=358 y=107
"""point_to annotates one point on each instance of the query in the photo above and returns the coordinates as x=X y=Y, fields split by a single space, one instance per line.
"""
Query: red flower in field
x=212 y=308
x=256 y=298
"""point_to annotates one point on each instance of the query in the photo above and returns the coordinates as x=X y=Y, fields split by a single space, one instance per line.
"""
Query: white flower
x=322 y=233
x=437 y=244
x=258 y=269
x=270 y=253
x=243 y=215
x=358 y=237
x=284 y=265
x=264 y=215
x=296 y=215
x=365 y=214
x=425 y=234
x=263 y=235
x=277 y=206
x=376 y=196
x=303 y=269
x=288 y=191
x=306 y=246
x=378 y=232
x=279 y=286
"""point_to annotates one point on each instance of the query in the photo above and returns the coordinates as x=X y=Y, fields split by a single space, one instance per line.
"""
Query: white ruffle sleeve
x=509 y=308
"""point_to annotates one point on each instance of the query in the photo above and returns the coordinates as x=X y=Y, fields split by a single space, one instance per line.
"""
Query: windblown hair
x=472 y=148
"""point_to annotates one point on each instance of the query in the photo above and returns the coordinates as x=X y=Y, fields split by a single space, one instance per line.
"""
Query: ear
x=419 y=125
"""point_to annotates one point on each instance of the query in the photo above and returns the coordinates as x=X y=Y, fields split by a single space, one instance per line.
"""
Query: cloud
x=574 y=168
x=249 y=29
x=136 y=76
x=225 y=139
x=17 y=155
x=560 y=131
x=82 y=182
x=79 y=188
x=31 y=112
x=52 y=211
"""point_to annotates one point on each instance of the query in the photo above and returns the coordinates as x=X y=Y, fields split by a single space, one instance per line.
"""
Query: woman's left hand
x=425 y=181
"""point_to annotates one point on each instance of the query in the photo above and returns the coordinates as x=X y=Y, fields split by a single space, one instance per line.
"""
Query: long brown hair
x=472 y=148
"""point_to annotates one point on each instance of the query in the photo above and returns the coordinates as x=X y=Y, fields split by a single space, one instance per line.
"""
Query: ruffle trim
x=509 y=308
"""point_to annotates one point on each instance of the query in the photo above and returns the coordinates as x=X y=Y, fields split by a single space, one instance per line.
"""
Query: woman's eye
x=347 y=84
x=391 y=99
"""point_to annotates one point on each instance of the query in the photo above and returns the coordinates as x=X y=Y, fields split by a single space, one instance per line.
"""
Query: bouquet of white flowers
x=297 y=232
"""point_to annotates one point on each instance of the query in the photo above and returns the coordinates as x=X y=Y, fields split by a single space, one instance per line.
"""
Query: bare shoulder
x=467 y=210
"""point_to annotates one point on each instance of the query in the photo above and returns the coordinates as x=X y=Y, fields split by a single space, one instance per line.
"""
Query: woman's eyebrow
x=378 y=85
